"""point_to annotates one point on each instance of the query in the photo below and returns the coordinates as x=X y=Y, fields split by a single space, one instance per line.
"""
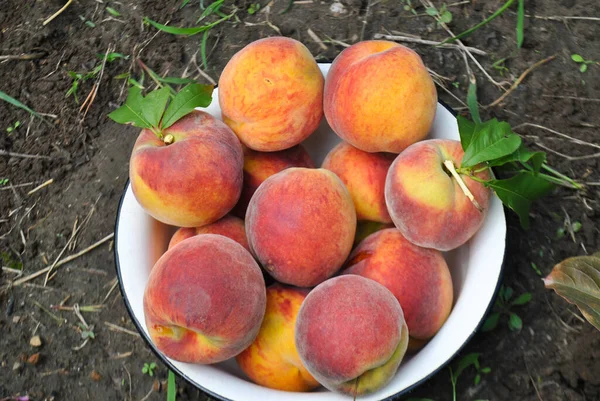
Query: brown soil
x=556 y=355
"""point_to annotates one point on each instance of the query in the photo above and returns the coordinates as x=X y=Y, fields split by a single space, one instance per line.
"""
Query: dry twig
x=399 y=38
x=56 y=14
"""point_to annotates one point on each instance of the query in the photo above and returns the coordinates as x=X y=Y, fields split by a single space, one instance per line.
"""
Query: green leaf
x=514 y=322
x=577 y=280
x=466 y=129
x=431 y=11
x=519 y=192
x=491 y=322
x=536 y=269
x=186 y=31
x=214 y=7
x=176 y=80
x=576 y=226
x=583 y=67
x=171 y=388
x=113 y=12
x=203 y=49
x=508 y=293
x=154 y=106
x=289 y=7
x=190 y=97
x=522 y=299
x=520 y=23
x=145 y=368
x=493 y=140
x=446 y=17
x=132 y=111
x=486 y=370
x=15 y=102
x=524 y=156
x=472 y=101
x=184 y=3
x=577 y=58
x=465 y=362
x=477 y=379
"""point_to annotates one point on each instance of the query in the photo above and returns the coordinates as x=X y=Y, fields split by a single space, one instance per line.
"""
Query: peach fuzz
x=193 y=181
x=418 y=277
x=426 y=202
x=229 y=226
x=205 y=300
x=300 y=225
x=364 y=176
x=351 y=334
x=258 y=166
x=272 y=360
x=379 y=96
x=271 y=94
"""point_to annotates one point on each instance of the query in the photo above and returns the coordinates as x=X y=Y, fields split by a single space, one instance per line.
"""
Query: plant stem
x=573 y=183
x=484 y=22
x=450 y=166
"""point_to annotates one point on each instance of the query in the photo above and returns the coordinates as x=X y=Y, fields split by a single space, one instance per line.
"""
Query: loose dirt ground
x=555 y=357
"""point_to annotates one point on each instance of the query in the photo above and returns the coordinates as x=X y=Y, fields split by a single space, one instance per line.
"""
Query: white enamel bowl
x=476 y=268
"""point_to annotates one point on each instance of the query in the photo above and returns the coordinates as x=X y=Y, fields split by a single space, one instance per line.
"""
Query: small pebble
x=16 y=319
x=95 y=376
x=17 y=366
x=35 y=341
x=34 y=359
x=337 y=9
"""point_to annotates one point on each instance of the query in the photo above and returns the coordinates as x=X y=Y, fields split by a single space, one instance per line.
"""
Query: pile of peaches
x=345 y=304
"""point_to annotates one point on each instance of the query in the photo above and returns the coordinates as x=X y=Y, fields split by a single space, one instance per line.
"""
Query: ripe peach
x=193 y=181
x=271 y=94
x=300 y=225
x=258 y=166
x=351 y=334
x=418 y=277
x=426 y=202
x=379 y=96
x=364 y=175
x=205 y=300
x=272 y=360
x=229 y=226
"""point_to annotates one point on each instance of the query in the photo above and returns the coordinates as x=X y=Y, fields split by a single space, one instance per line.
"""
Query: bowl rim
x=179 y=373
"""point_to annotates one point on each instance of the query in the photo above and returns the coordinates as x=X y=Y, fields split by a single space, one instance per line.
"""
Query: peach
x=271 y=94
x=300 y=225
x=272 y=360
x=205 y=300
x=379 y=96
x=426 y=202
x=364 y=175
x=229 y=226
x=351 y=334
x=418 y=277
x=193 y=181
x=258 y=166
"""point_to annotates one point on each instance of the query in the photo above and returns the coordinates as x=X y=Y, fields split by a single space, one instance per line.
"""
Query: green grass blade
x=289 y=7
x=171 y=389
x=203 y=49
x=186 y=31
x=15 y=102
x=482 y=23
x=520 y=23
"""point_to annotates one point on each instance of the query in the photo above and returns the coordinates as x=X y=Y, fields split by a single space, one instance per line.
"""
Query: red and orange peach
x=205 y=300
x=272 y=360
x=351 y=334
x=193 y=181
x=364 y=176
x=425 y=200
x=229 y=226
x=300 y=225
x=271 y=94
x=379 y=96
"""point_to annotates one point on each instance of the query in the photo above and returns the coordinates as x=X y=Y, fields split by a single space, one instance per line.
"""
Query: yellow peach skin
x=271 y=94
x=272 y=360
x=193 y=181
x=379 y=97
x=364 y=175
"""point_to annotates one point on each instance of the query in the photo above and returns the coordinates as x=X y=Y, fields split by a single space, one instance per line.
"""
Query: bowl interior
x=475 y=268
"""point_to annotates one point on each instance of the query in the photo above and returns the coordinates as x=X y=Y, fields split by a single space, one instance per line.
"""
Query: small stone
x=16 y=319
x=156 y=386
x=337 y=9
x=34 y=359
x=95 y=376
x=17 y=366
x=35 y=341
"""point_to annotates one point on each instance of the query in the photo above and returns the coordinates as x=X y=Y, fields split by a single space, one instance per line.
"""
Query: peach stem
x=450 y=166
